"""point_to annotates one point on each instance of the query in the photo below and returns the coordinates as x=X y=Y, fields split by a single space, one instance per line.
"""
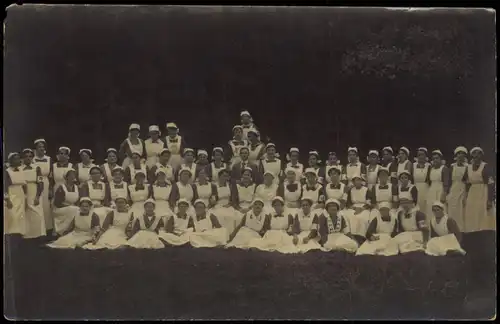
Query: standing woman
x=479 y=207
x=60 y=168
x=314 y=162
x=247 y=123
x=116 y=187
x=271 y=163
x=458 y=190
x=95 y=189
x=372 y=169
x=83 y=168
x=313 y=190
x=291 y=191
x=153 y=145
x=293 y=157
x=439 y=181
x=236 y=144
x=35 y=221
x=189 y=164
x=161 y=190
x=132 y=144
x=14 y=197
x=175 y=143
x=420 y=172
x=243 y=193
x=217 y=165
x=205 y=190
x=110 y=164
x=65 y=202
x=137 y=165
x=267 y=191
x=336 y=189
x=184 y=189
x=256 y=147
x=354 y=167
x=403 y=164
x=43 y=162
x=139 y=192
x=387 y=157
x=223 y=208
x=163 y=165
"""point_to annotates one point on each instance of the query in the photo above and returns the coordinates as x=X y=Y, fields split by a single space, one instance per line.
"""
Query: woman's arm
x=237 y=228
x=446 y=178
x=235 y=199
x=454 y=229
x=39 y=183
x=322 y=229
x=170 y=225
x=214 y=221
x=84 y=189
x=174 y=196
x=122 y=152
x=59 y=198
x=133 y=227
x=127 y=176
x=372 y=229
x=152 y=174
x=314 y=229
x=266 y=226
x=161 y=224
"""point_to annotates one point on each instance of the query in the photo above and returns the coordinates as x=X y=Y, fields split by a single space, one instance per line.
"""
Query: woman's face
x=334 y=176
x=136 y=159
x=134 y=133
x=436 y=159
x=313 y=160
x=332 y=159
x=294 y=156
x=202 y=159
x=112 y=158
x=311 y=178
x=438 y=212
x=154 y=135
x=383 y=177
x=28 y=158
x=421 y=157
x=306 y=206
x=244 y=154
x=85 y=207
x=386 y=155
x=71 y=176
x=271 y=152
x=117 y=176
x=278 y=207
x=245 y=120
x=63 y=156
x=15 y=161
x=199 y=209
x=252 y=137
x=189 y=157
x=246 y=176
x=372 y=159
x=352 y=156
x=85 y=158
x=477 y=156
x=268 y=179
x=40 y=148
x=172 y=132
x=402 y=156
x=140 y=178
x=404 y=179
x=185 y=177
x=358 y=183
x=161 y=177
x=332 y=209
x=95 y=175
x=164 y=157
x=202 y=176
x=257 y=207
x=183 y=208
x=149 y=208
x=238 y=133
x=461 y=157
x=217 y=156
x=121 y=204
x=291 y=176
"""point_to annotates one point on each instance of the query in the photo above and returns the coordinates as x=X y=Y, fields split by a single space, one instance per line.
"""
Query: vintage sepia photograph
x=249 y=163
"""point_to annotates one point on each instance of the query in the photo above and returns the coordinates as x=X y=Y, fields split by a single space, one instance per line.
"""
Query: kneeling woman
x=207 y=230
x=65 y=200
x=82 y=229
x=278 y=229
x=250 y=228
x=113 y=231
x=334 y=230
x=176 y=231
x=412 y=226
x=445 y=236
x=380 y=232
x=144 y=230
x=305 y=226
x=95 y=189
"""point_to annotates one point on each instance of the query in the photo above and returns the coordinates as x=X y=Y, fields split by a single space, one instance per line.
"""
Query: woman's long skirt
x=340 y=242
x=63 y=218
x=244 y=238
x=477 y=216
x=439 y=246
x=15 y=218
x=71 y=240
x=178 y=238
x=112 y=239
x=385 y=246
x=210 y=238
x=410 y=241
x=145 y=240
x=275 y=240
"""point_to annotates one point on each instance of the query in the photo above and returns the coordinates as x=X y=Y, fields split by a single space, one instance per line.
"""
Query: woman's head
x=291 y=175
x=154 y=132
x=165 y=156
x=477 y=154
x=223 y=176
x=373 y=157
x=185 y=175
x=14 y=159
x=112 y=156
x=117 y=174
x=95 y=173
x=28 y=156
x=246 y=175
x=306 y=204
x=246 y=118
x=244 y=152
x=202 y=175
x=121 y=203
x=278 y=205
x=404 y=177
x=313 y=159
x=352 y=154
x=172 y=129
x=357 y=180
x=136 y=159
x=134 y=131
x=383 y=175
x=218 y=154
x=332 y=206
x=40 y=146
x=257 y=206
x=85 y=156
x=149 y=206
x=438 y=209
x=461 y=154
x=200 y=207
x=311 y=176
x=268 y=178
x=63 y=154
x=202 y=157
x=294 y=155
x=437 y=157
x=161 y=176
x=332 y=158
x=140 y=177
x=70 y=175
x=183 y=206
x=422 y=155
x=253 y=136
x=387 y=153
x=85 y=205
x=238 y=132
x=403 y=154
x=271 y=150
x=334 y=174
x=188 y=155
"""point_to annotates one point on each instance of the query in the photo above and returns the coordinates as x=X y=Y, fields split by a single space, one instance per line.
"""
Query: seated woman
x=412 y=225
x=291 y=191
x=136 y=166
x=313 y=190
x=176 y=231
x=243 y=193
x=95 y=189
x=113 y=231
x=83 y=227
x=143 y=233
x=278 y=229
x=223 y=209
x=116 y=187
x=445 y=236
x=183 y=189
x=205 y=190
x=250 y=228
x=358 y=212
x=267 y=191
x=335 y=189
x=305 y=225
x=207 y=230
x=384 y=191
x=161 y=190
x=138 y=194
x=334 y=230
x=65 y=202
x=382 y=228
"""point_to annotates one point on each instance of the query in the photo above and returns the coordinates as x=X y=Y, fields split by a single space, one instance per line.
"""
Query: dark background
x=319 y=78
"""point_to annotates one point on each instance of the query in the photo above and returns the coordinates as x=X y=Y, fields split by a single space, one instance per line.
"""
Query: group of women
x=166 y=194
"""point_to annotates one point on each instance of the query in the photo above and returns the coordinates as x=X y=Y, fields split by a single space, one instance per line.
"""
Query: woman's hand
x=306 y=240
x=8 y=204
x=295 y=240
x=443 y=198
x=374 y=238
x=36 y=202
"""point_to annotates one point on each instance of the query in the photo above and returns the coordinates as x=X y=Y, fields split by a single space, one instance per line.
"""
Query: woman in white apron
x=267 y=191
x=412 y=225
x=162 y=164
x=372 y=169
x=135 y=166
x=313 y=190
x=205 y=190
x=43 y=161
x=402 y=164
x=217 y=165
x=184 y=189
x=336 y=189
x=145 y=228
x=458 y=190
x=293 y=157
x=407 y=189
x=358 y=209
x=445 y=235
x=223 y=208
x=247 y=123
x=314 y=164
x=270 y=163
x=189 y=164
x=116 y=187
x=439 y=181
x=65 y=202
x=113 y=231
x=110 y=164
x=153 y=146
x=332 y=162
x=95 y=189
x=480 y=210
x=244 y=192
x=420 y=177
x=139 y=193
x=83 y=168
x=15 y=197
x=175 y=144
x=235 y=145
x=305 y=228
x=176 y=231
x=202 y=162
x=291 y=191
x=60 y=168
x=83 y=228
x=383 y=191
x=255 y=147
x=381 y=231
x=161 y=191
x=132 y=144
x=387 y=157
x=250 y=228
x=334 y=231
x=354 y=167
x=35 y=221
x=207 y=230
x=278 y=230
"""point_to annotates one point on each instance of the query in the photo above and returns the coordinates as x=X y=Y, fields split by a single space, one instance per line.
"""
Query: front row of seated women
x=277 y=229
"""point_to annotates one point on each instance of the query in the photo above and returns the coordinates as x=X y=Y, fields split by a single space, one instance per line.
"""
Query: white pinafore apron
x=15 y=218
x=273 y=167
x=419 y=179
x=169 y=171
x=266 y=194
x=292 y=199
x=162 y=199
x=138 y=148
x=65 y=215
x=186 y=192
x=248 y=233
x=115 y=236
x=235 y=148
x=253 y=156
x=403 y=166
x=335 y=192
x=133 y=172
x=327 y=170
x=204 y=192
x=152 y=151
x=138 y=198
x=445 y=241
x=58 y=174
x=191 y=168
x=456 y=197
x=108 y=172
x=146 y=237
x=117 y=192
x=477 y=216
x=299 y=170
x=372 y=175
x=352 y=170
x=84 y=172
x=276 y=238
x=97 y=197
x=175 y=151
x=384 y=195
x=205 y=235
x=411 y=239
x=337 y=240
x=358 y=223
x=385 y=245
x=215 y=172
x=246 y=195
x=181 y=233
x=227 y=216
x=44 y=198
x=435 y=190
x=35 y=221
x=312 y=194
x=81 y=235
x=306 y=226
